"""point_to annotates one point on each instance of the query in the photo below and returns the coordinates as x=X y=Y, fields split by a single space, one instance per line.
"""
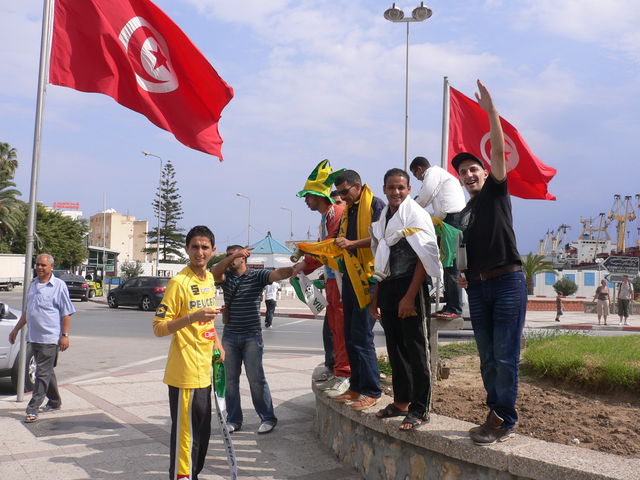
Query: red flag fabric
x=469 y=132
x=133 y=52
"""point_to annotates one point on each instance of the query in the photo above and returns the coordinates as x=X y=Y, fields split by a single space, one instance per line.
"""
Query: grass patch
x=458 y=349
x=597 y=363
x=384 y=366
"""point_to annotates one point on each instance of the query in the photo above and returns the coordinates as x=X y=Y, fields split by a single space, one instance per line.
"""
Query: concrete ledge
x=442 y=450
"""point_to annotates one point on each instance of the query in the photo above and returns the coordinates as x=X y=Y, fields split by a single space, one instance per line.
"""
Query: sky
x=325 y=79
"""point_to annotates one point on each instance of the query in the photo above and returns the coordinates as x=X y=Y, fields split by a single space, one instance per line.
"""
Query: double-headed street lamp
x=290 y=222
x=248 y=219
x=419 y=14
x=149 y=154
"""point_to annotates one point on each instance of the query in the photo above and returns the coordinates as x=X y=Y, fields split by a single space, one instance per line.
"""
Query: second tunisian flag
x=133 y=52
x=469 y=132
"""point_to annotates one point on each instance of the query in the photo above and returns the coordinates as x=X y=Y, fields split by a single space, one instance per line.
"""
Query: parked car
x=143 y=292
x=9 y=353
x=77 y=285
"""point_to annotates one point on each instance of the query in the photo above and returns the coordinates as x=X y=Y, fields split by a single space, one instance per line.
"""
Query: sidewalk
x=117 y=427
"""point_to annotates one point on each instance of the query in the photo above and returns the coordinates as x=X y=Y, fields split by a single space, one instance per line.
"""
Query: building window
x=571 y=276
x=589 y=279
x=549 y=278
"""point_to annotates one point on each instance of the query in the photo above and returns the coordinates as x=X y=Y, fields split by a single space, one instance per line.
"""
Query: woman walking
x=602 y=297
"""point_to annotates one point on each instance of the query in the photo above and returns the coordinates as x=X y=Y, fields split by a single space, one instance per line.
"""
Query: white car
x=9 y=353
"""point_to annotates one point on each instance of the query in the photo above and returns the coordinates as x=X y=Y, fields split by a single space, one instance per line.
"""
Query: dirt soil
x=555 y=413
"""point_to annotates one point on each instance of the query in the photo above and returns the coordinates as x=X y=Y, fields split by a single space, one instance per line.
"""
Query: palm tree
x=532 y=265
x=11 y=214
x=8 y=160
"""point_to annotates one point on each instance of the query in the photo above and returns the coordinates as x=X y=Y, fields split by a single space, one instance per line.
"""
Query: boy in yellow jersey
x=187 y=311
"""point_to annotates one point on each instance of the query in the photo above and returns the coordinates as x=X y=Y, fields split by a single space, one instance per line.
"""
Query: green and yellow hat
x=320 y=181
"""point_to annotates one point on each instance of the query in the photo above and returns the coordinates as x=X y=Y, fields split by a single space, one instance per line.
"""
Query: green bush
x=565 y=287
x=597 y=363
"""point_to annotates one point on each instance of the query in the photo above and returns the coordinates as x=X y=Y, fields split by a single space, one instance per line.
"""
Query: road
x=105 y=341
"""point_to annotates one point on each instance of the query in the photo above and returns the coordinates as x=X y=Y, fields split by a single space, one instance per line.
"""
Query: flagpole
x=45 y=50
x=445 y=124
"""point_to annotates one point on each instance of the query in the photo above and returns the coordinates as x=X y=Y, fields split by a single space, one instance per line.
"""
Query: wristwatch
x=64 y=334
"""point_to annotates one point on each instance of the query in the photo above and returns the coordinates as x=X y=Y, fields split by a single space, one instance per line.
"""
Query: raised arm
x=222 y=266
x=498 y=164
x=280 y=274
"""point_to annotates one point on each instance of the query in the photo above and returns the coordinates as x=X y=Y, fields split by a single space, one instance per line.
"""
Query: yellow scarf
x=359 y=265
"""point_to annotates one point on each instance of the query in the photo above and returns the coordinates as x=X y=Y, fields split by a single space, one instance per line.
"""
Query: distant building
x=121 y=233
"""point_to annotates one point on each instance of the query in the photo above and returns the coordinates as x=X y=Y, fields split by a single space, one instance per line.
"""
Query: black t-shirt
x=488 y=229
x=352 y=227
x=402 y=257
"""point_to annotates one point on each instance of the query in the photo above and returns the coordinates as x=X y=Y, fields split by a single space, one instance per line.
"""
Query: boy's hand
x=406 y=308
x=206 y=314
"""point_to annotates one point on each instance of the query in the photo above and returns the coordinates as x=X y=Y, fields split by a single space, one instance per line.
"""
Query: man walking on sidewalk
x=625 y=295
x=317 y=196
x=48 y=317
x=494 y=280
x=270 y=300
x=242 y=335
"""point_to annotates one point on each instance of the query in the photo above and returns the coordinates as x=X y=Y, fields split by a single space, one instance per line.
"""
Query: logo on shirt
x=161 y=311
x=195 y=289
x=205 y=290
x=209 y=334
x=202 y=303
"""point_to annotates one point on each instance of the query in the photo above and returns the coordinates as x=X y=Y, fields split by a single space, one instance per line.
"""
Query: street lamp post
x=248 y=219
x=290 y=222
x=148 y=154
x=419 y=14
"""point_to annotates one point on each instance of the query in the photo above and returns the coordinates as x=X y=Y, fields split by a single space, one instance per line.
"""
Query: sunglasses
x=346 y=191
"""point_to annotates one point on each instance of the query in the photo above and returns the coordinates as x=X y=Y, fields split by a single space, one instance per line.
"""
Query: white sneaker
x=329 y=383
x=341 y=386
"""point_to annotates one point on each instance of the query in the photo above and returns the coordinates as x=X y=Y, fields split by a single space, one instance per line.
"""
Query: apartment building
x=119 y=232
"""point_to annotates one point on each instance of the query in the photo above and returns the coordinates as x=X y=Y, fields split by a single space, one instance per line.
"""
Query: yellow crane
x=621 y=218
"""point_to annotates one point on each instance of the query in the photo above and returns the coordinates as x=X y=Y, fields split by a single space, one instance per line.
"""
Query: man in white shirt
x=270 y=298
x=443 y=192
x=625 y=295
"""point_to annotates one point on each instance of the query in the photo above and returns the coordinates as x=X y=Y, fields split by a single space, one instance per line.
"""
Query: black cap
x=461 y=157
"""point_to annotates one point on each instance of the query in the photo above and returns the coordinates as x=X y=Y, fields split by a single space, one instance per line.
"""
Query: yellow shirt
x=189 y=360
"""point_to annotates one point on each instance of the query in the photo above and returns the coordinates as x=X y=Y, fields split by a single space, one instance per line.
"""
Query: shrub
x=565 y=287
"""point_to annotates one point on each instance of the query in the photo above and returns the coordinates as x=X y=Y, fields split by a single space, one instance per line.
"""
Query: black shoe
x=490 y=431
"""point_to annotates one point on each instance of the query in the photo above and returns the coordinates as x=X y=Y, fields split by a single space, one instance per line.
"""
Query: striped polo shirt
x=244 y=313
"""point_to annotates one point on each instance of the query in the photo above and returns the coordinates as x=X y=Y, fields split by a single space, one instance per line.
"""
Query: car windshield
x=70 y=277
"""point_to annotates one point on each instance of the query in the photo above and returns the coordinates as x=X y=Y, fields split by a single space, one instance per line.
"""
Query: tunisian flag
x=131 y=51
x=469 y=132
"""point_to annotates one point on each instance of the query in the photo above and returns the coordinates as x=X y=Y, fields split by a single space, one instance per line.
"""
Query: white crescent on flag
x=510 y=151
x=154 y=58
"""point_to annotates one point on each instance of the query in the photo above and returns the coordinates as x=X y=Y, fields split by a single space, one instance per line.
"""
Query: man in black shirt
x=494 y=280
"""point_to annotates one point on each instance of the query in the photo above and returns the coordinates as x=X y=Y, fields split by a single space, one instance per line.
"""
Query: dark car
x=143 y=292
x=77 y=285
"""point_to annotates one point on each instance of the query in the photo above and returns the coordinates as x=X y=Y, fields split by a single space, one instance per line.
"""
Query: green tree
x=8 y=160
x=62 y=237
x=10 y=212
x=565 y=287
x=533 y=264
x=168 y=203
x=129 y=269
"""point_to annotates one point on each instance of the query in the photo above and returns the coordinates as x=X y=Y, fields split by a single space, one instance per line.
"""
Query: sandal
x=391 y=410
x=30 y=418
x=413 y=420
x=447 y=315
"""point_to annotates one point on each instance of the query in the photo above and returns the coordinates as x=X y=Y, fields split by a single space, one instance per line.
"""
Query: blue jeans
x=497 y=307
x=358 y=336
x=246 y=348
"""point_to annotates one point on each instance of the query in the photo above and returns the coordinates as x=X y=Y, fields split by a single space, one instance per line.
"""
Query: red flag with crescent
x=133 y=52
x=527 y=176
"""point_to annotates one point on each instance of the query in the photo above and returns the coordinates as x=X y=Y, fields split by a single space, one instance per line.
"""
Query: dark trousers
x=452 y=292
x=358 y=335
x=327 y=341
x=190 y=430
x=271 y=308
x=407 y=346
x=46 y=355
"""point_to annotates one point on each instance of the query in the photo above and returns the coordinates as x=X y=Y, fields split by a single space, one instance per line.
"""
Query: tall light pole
x=419 y=14
x=291 y=221
x=149 y=154
x=248 y=219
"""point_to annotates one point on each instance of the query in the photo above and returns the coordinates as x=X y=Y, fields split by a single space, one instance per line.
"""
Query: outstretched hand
x=484 y=98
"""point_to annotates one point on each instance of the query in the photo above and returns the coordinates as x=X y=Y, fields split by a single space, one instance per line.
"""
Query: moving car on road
x=143 y=292
x=77 y=285
x=9 y=353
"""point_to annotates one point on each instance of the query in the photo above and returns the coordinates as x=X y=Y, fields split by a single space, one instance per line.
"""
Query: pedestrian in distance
x=48 y=317
x=558 y=307
x=602 y=298
x=270 y=300
x=494 y=280
x=187 y=313
x=242 y=334
x=406 y=255
x=625 y=295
